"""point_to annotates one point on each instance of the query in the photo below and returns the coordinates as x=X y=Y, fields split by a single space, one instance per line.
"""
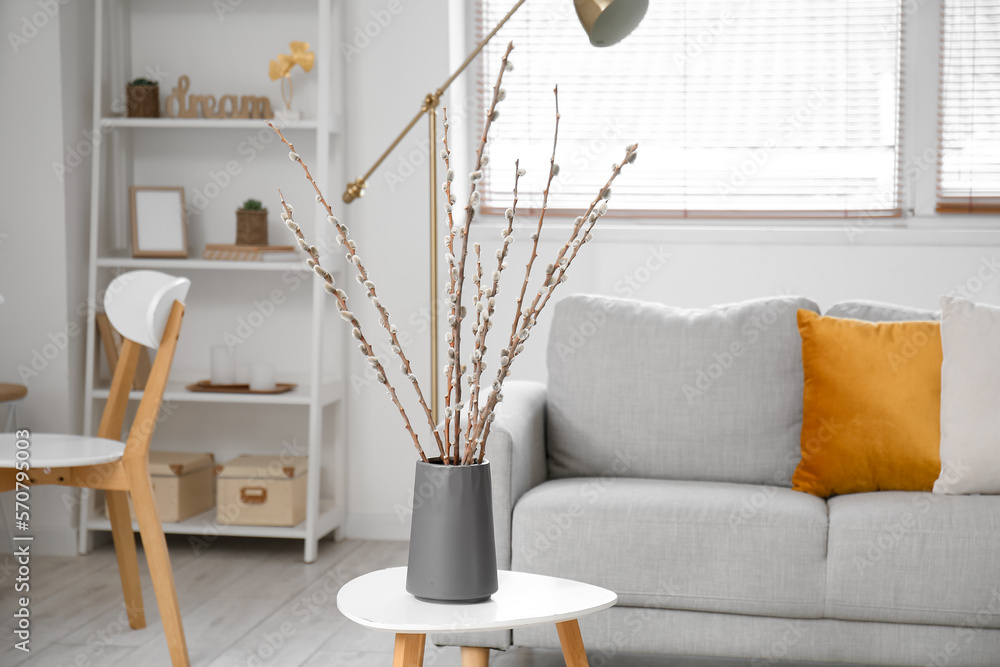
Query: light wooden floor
x=245 y=603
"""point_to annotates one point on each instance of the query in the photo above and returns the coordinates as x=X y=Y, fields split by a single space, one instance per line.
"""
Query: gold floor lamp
x=606 y=22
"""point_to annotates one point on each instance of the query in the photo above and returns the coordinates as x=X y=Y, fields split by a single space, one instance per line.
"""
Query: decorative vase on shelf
x=251 y=224
x=142 y=99
x=280 y=69
x=453 y=556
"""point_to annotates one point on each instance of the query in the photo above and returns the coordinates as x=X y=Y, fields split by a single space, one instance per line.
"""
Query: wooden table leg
x=475 y=656
x=572 y=644
x=409 y=650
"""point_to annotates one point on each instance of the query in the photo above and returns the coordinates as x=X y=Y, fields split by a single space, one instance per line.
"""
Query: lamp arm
x=354 y=188
x=482 y=44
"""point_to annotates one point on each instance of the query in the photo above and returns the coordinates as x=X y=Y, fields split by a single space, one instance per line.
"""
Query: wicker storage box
x=251 y=227
x=183 y=484
x=142 y=101
x=262 y=491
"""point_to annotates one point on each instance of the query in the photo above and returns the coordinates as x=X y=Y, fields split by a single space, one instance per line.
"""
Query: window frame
x=918 y=151
x=977 y=205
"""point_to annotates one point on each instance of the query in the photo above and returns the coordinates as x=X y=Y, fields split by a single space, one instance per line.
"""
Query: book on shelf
x=250 y=253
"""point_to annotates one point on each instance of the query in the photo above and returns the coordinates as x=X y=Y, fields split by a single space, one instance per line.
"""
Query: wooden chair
x=146 y=307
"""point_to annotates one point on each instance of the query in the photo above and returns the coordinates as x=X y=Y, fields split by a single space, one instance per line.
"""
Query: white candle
x=262 y=377
x=242 y=373
x=223 y=366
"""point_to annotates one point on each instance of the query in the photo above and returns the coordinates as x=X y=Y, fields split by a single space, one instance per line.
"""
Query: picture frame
x=159 y=226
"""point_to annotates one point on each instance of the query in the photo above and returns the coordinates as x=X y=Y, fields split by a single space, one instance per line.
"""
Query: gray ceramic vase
x=453 y=555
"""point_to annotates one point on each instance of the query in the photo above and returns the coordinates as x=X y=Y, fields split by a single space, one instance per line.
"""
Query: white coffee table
x=379 y=600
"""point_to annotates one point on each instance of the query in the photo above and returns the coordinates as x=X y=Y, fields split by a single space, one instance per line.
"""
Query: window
x=969 y=174
x=770 y=107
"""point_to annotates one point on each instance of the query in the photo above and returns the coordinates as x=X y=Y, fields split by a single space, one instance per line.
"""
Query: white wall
x=387 y=76
x=42 y=248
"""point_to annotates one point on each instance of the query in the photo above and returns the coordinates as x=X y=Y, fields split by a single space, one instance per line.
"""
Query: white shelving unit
x=119 y=161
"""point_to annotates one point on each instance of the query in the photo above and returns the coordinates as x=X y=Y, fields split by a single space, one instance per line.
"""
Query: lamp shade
x=608 y=22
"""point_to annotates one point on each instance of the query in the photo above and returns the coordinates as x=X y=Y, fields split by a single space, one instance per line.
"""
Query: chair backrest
x=138 y=304
x=146 y=307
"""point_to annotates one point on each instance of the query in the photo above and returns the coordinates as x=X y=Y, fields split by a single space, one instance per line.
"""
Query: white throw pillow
x=970 y=398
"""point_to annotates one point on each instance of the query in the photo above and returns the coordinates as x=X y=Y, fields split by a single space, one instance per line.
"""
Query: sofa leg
x=572 y=644
x=474 y=656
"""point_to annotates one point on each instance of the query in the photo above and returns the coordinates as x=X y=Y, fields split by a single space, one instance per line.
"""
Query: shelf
x=198 y=264
x=114 y=122
x=330 y=392
x=207 y=525
x=205 y=123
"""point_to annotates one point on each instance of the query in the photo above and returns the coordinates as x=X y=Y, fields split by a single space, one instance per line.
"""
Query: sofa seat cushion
x=706 y=395
x=906 y=557
x=699 y=546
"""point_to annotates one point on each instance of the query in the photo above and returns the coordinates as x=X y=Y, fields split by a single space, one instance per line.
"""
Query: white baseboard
x=376 y=527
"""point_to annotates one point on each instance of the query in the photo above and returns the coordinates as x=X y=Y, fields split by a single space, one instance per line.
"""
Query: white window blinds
x=763 y=108
x=969 y=174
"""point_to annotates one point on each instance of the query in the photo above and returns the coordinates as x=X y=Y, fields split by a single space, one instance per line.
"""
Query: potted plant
x=251 y=223
x=142 y=98
x=452 y=550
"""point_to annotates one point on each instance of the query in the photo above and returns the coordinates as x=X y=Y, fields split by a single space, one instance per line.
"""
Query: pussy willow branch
x=480 y=417
x=557 y=275
x=477 y=351
x=347 y=315
x=362 y=277
x=553 y=170
x=593 y=217
x=491 y=293
x=470 y=209
x=475 y=416
x=574 y=244
x=450 y=289
x=507 y=354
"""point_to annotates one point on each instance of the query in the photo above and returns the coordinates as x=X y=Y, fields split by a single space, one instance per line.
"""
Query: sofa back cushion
x=874 y=311
x=646 y=390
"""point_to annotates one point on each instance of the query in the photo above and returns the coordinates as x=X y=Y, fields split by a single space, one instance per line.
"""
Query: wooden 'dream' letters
x=181 y=105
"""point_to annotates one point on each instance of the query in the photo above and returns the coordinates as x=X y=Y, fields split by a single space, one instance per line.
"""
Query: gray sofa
x=657 y=463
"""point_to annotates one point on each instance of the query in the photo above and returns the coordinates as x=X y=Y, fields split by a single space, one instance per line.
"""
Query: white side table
x=379 y=600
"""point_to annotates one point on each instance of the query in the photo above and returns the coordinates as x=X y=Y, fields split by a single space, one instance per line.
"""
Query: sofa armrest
x=516 y=452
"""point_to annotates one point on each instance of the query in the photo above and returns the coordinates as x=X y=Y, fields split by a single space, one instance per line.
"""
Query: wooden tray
x=246 y=253
x=206 y=385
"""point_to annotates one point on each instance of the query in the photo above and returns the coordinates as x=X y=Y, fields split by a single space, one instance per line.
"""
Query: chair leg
x=155 y=546
x=128 y=561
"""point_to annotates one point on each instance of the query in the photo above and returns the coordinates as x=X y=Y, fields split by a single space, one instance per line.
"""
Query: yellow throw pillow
x=871 y=406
